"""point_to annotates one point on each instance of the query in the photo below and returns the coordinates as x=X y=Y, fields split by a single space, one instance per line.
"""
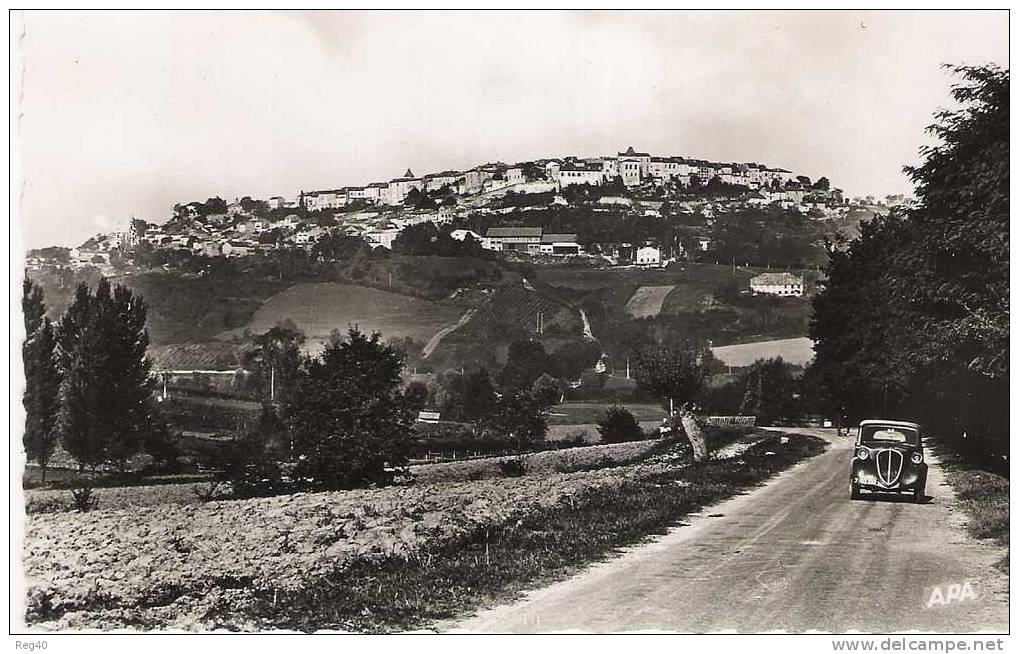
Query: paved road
x=795 y=555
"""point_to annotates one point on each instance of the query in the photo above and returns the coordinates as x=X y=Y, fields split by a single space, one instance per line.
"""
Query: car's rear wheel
x=854 y=491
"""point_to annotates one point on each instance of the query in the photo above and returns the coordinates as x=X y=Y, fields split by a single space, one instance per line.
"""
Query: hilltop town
x=491 y=204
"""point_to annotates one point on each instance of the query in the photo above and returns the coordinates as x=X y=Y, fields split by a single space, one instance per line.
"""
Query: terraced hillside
x=517 y=307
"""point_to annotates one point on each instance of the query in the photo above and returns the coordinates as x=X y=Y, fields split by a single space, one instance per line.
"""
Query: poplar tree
x=42 y=381
x=106 y=387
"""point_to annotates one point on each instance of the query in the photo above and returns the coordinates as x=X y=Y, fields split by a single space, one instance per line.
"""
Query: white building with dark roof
x=526 y=240
x=782 y=284
x=580 y=173
x=559 y=245
x=648 y=255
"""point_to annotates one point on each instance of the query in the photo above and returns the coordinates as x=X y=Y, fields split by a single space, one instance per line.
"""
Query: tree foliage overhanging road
x=912 y=320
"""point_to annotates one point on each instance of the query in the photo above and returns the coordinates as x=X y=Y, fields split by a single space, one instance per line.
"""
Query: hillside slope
x=319 y=308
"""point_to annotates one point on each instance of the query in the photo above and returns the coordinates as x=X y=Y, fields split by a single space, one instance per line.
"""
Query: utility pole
x=272 y=383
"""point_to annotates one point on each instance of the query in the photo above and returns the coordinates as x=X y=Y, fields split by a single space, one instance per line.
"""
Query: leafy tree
x=351 y=424
x=570 y=359
x=339 y=247
x=469 y=397
x=418 y=199
x=42 y=380
x=617 y=425
x=253 y=460
x=862 y=331
x=417 y=395
x=959 y=236
x=532 y=171
x=520 y=419
x=526 y=361
x=158 y=442
x=427 y=238
x=479 y=396
x=275 y=358
x=450 y=395
x=770 y=392
x=675 y=374
x=547 y=389
x=822 y=184
x=933 y=285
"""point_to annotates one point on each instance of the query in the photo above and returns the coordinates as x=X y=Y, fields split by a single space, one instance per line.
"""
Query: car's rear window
x=884 y=434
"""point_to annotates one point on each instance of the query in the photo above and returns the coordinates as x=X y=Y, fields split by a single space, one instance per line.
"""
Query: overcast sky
x=128 y=113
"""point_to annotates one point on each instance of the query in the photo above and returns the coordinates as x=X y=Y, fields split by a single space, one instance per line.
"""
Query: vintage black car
x=888 y=458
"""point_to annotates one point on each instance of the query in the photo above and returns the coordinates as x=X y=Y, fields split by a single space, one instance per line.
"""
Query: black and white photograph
x=514 y=321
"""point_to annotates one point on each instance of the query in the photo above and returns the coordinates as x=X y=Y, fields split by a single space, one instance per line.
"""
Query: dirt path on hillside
x=437 y=337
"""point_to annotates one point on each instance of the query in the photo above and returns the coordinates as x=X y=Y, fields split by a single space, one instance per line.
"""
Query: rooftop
x=580 y=167
x=195 y=356
x=774 y=279
x=559 y=238
x=503 y=232
x=631 y=153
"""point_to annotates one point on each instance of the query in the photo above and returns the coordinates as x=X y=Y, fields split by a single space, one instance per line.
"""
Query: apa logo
x=950 y=594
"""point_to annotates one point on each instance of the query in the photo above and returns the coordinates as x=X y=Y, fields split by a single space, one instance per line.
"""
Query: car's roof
x=890 y=423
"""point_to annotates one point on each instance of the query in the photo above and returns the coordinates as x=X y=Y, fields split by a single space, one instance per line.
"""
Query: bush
x=513 y=467
x=618 y=426
x=261 y=478
x=210 y=492
x=84 y=499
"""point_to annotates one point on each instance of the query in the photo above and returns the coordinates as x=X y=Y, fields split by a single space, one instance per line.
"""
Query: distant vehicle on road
x=888 y=458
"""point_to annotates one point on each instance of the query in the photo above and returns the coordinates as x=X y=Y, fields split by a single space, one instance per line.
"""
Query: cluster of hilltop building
x=378 y=212
x=632 y=167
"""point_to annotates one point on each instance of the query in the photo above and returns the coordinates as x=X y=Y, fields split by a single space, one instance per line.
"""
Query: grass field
x=983 y=496
x=696 y=278
x=691 y=282
x=647 y=301
x=578 y=413
x=317 y=309
x=799 y=351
